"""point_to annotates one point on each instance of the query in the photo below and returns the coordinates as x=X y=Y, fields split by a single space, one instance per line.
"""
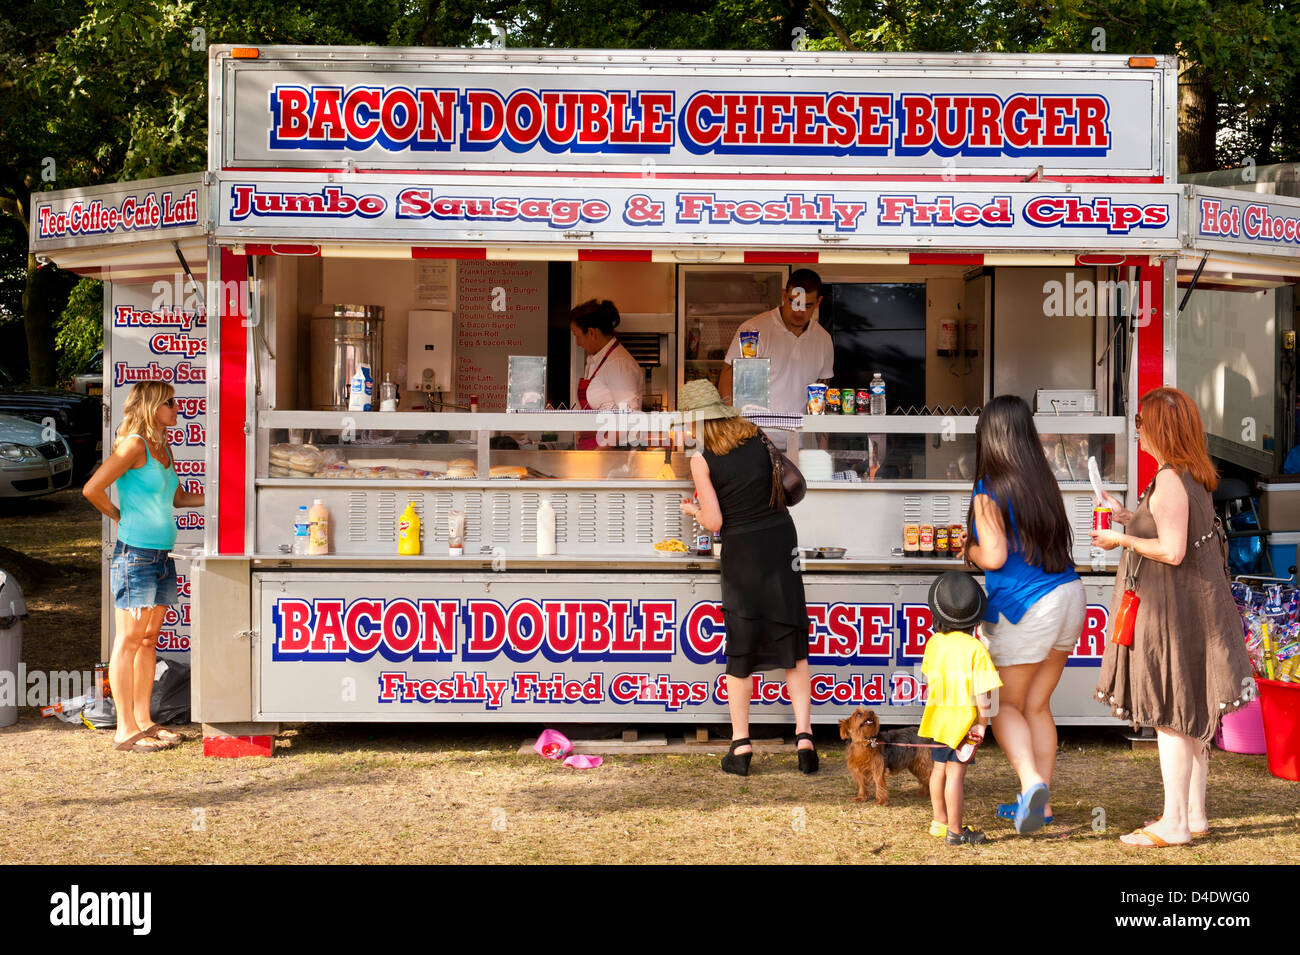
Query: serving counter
x=607 y=626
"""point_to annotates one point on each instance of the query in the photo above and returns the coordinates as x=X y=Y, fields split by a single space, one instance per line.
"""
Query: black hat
x=957 y=602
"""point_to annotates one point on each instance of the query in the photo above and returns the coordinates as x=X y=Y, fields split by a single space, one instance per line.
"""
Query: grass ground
x=397 y=793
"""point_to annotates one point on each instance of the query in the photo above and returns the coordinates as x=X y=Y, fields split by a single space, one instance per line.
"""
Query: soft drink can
x=833 y=400
x=1101 y=518
x=816 y=398
x=863 y=399
x=847 y=401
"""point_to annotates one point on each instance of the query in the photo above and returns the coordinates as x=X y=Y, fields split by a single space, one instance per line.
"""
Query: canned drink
x=1101 y=518
x=863 y=399
x=833 y=400
x=749 y=344
x=816 y=398
x=847 y=401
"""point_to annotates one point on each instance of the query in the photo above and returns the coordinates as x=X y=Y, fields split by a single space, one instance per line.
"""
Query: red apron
x=587 y=442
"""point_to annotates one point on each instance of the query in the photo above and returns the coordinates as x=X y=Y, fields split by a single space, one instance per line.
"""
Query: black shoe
x=808 y=762
x=968 y=837
x=737 y=763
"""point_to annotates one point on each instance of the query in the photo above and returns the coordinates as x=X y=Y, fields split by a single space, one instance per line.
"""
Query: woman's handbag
x=788 y=485
x=1122 y=633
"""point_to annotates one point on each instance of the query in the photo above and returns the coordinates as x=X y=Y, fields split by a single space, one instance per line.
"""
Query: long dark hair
x=1009 y=459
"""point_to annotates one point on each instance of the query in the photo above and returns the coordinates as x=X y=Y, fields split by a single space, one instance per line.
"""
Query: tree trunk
x=1197 y=119
x=42 y=303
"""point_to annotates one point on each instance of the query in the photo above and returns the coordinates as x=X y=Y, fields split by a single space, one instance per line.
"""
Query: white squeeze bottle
x=318 y=540
x=545 y=529
x=877 y=394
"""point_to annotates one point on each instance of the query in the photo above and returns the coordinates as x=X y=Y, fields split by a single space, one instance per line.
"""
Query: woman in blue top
x=143 y=574
x=1020 y=538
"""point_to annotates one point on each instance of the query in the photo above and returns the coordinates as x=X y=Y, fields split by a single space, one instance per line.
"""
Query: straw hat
x=700 y=400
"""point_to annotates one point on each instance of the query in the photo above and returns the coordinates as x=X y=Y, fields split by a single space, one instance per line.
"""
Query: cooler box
x=1282 y=551
x=1279 y=503
x=1281 y=706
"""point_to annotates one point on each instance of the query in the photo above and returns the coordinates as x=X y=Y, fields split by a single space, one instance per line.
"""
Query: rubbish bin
x=12 y=612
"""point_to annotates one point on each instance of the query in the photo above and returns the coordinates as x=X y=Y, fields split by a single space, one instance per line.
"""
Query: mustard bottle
x=408 y=531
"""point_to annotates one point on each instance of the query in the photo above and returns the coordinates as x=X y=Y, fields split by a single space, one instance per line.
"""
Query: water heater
x=428 y=353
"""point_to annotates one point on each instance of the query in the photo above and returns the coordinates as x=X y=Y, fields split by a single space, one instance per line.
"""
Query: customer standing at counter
x=799 y=348
x=763 y=605
x=1020 y=538
x=1187 y=664
x=143 y=572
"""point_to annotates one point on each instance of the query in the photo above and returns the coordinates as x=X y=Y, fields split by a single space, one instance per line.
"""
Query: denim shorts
x=142 y=577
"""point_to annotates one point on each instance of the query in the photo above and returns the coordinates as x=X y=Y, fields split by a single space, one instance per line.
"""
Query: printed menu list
x=500 y=311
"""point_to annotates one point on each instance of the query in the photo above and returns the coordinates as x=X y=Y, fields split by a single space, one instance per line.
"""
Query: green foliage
x=79 y=332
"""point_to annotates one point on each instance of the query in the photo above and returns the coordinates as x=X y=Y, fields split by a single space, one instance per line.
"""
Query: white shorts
x=1053 y=622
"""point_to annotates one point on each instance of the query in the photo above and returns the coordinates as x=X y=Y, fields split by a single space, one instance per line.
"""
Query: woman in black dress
x=763 y=606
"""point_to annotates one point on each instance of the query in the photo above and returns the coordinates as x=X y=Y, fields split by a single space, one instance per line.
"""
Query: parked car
x=30 y=464
x=90 y=380
x=77 y=418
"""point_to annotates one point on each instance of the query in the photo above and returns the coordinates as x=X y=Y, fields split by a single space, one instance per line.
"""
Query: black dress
x=763 y=605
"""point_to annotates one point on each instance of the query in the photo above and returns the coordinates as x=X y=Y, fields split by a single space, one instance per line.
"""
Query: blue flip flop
x=1029 y=809
x=1007 y=810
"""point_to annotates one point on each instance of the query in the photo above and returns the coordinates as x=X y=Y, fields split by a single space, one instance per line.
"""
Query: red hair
x=1172 y=425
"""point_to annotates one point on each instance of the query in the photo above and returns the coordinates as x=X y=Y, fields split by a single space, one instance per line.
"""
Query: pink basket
x=1242 y=731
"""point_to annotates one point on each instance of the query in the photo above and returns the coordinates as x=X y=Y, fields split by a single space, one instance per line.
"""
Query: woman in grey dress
x=1187 y=665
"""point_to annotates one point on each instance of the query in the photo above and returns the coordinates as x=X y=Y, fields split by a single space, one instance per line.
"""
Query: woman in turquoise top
x=143 y=572
x=1020 y=537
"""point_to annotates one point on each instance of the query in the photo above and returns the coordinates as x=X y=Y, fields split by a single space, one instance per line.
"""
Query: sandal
x=1153 y=840
x=1029 y=809
x=967 y=837
x=808 y=761
x=737 y=763
x=140 y=743
x=1007 y=810
x=1196 y=833
x=156 y=731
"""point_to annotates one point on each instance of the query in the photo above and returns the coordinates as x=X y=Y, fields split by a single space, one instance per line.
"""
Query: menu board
x=153 y=340
x=500 y=311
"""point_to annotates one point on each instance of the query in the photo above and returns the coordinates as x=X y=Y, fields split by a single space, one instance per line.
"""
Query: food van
x=982 y=225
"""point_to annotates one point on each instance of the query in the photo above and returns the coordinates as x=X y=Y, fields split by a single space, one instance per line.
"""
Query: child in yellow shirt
x=960 y=678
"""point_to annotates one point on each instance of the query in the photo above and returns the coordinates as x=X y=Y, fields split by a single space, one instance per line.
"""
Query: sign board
x=155 y=338
x=648 y=647
x=797 y=113
x=1230 y=220
x=173 y=207
x=500 y=311
x=1041 y=215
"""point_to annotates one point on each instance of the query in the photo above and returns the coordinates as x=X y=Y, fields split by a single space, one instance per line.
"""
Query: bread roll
x=508 y=471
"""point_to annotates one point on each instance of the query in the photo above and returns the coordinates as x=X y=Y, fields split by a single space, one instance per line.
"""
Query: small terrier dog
x=869 y=760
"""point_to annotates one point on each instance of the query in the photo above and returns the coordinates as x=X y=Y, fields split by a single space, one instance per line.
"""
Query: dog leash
x=874 y=743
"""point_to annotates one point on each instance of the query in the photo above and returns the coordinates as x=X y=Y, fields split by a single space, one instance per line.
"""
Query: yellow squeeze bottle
x=408 y=531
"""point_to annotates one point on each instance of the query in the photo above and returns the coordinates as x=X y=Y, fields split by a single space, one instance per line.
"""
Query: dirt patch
x=400 y=793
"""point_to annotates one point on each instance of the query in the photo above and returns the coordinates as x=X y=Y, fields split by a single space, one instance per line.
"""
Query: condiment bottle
x=408 y=531
x=545 y=529
x=318 y=539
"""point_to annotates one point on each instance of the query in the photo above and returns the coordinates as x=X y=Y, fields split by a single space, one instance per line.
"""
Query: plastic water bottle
x=877 y=394
x=361 y=390
x=301 y=531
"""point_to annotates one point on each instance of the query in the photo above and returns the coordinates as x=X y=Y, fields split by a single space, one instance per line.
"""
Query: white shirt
x=797 y=360
x=620 y=380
